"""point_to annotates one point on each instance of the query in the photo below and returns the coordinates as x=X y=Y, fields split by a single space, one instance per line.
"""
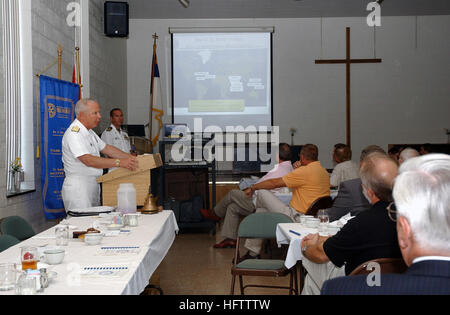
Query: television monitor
x=135 y=130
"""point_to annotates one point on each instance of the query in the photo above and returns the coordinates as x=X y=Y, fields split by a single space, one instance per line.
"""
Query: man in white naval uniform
x=81 y=149
x=114 y=135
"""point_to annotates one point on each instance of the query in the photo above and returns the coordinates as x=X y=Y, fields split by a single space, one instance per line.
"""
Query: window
x=18 y=81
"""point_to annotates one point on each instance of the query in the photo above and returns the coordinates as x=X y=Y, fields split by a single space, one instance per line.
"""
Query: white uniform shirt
x=118 y=139
x=79 y=141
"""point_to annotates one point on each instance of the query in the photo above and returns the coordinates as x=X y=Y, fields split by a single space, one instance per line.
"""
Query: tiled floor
x=194 y=267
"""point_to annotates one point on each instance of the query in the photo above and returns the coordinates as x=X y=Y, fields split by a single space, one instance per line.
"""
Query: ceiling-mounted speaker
x=117 y=19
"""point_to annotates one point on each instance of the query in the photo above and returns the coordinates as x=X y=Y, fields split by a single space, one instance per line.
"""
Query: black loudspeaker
x=116 y=19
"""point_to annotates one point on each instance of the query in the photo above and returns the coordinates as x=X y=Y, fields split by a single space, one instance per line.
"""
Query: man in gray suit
x=350 y=198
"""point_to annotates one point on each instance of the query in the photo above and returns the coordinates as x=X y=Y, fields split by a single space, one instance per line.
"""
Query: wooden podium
x=141 y=179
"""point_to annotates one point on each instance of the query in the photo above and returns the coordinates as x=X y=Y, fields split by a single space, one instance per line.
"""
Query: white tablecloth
x=284 y=236
x=154 y=237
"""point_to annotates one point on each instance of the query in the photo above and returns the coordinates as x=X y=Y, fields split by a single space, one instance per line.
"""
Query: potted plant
x=16 y=175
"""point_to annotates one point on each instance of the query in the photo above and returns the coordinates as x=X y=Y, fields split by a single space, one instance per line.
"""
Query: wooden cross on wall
x=348 y=61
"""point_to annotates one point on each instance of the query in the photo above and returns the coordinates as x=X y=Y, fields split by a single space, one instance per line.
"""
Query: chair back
x=320 y=203
x=262 y=225
x=17 y=227
x=7 y=241
x=387 y=265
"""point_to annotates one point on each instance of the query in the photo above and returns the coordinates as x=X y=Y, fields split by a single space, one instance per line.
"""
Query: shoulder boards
x=75 y=129
x=109 y=129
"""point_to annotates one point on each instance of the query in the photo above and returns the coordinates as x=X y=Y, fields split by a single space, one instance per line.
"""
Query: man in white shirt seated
x=236 y=204
x=345 y=169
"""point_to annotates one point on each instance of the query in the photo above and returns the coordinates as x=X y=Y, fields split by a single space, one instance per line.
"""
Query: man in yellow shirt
x=308 y=182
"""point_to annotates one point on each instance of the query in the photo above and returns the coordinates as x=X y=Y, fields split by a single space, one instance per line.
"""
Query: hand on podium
x=131 y=163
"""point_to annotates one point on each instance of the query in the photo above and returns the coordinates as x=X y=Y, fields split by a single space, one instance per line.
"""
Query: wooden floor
x=194 y=267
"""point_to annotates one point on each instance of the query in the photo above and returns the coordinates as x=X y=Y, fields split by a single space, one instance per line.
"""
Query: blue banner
x=57 y=106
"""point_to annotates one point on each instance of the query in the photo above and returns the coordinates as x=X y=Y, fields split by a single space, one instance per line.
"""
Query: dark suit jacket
x=426 y=277
x=350 y=198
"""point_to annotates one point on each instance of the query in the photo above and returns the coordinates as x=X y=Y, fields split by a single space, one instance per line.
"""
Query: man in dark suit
x=422 y=199
x=350 y=197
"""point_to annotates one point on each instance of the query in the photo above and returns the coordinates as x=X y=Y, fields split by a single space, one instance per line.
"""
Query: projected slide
x=224 y=78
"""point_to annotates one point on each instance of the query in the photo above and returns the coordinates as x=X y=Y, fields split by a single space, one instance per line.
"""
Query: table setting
x=85 y=256
x=293 y=233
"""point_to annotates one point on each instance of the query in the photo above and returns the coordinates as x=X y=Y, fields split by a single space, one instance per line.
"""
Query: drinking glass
x=62 y=235
x=29 y=257
x=322 y=215
x=26 y=285
x=8 y=274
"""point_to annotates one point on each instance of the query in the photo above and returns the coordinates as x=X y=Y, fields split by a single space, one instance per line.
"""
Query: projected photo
x=223 y=77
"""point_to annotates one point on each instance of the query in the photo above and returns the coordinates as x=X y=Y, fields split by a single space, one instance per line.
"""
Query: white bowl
x=93 y=238
x=54 y=256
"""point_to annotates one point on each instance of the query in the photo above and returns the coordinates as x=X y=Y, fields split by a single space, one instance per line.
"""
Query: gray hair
x=369 y=150
x=407 y=154
x=422 y=196
x=378 y=172
x=82 y=106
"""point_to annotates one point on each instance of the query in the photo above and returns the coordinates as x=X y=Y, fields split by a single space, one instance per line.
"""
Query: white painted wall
x=405 y=99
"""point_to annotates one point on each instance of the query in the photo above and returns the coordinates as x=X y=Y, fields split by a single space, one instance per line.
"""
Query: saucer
x=115 y=227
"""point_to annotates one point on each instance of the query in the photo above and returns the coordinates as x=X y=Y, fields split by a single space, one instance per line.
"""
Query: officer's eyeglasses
x=392 y=212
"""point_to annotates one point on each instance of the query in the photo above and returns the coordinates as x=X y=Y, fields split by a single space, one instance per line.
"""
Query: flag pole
x=78 y=78
x=155 y=37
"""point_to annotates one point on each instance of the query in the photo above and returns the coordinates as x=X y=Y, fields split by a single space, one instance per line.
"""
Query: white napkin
x=342 y=221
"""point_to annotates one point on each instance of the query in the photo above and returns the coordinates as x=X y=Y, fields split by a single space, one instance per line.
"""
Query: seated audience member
x=345 y=169
x=407 y=154
x=425 y=149
x=350 y=198
x=394 y=152
x=422 y=202
x=309 y=182
x=337 y=146
x=237 y=204
x=372 y=234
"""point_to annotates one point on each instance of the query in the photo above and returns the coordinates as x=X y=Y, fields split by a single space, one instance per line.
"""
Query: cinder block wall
x=108 y=66
x=108 y=86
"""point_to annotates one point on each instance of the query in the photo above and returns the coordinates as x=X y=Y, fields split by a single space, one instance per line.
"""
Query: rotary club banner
x=57 y=111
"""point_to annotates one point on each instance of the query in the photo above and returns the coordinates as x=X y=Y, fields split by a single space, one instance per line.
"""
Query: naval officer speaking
x=81 y=148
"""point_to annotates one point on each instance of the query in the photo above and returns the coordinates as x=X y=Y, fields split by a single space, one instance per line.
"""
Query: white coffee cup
x=312 y=223
x=54 y=256
x=93 y=238
x=304 y=218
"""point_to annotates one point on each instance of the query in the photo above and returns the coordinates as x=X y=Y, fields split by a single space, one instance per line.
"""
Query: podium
x=141 y=179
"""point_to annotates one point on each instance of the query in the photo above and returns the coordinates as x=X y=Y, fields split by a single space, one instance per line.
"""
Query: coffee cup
x=54 y=256
x=93 y=238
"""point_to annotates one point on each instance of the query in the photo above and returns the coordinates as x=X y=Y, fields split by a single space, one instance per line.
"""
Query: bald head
x=378 y=172
x=407 y=154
